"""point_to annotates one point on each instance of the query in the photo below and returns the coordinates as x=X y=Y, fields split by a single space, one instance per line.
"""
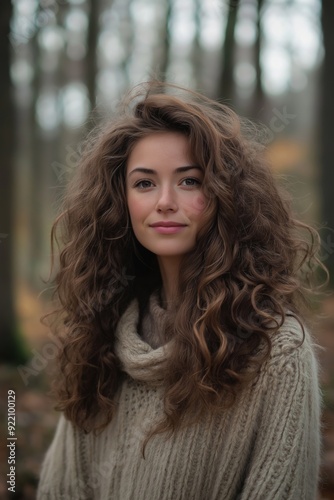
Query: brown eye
x=140 y=183
x=193 y=181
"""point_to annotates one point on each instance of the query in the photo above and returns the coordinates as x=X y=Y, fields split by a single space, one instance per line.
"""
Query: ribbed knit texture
x=266 y=447
x=153 y=327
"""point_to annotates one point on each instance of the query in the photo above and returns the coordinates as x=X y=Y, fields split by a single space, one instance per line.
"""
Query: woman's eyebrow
x=154 y=172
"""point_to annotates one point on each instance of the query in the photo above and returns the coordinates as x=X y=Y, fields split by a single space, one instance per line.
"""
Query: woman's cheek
x=135 y=205
x=198 y=204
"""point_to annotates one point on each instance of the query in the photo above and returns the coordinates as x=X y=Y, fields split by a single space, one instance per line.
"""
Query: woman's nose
x=166 y=199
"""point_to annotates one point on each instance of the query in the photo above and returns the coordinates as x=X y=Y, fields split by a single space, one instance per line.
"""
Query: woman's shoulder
x=293 y=334
x=293 y=347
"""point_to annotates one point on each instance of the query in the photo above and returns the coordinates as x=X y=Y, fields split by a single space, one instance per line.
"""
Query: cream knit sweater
x=266 y=447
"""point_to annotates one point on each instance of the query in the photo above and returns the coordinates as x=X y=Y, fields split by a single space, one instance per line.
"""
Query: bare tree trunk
x=258 y=100
x=91 y=62
x=164 y=55
x=35 y=182
x=197 y=50
x=10 y=346
x=326 y=137
x=226 y=82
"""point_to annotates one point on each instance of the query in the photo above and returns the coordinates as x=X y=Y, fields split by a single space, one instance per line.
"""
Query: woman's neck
x=169 y=269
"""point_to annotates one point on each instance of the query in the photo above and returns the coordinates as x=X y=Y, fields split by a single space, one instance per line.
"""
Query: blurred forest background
x=64 y=65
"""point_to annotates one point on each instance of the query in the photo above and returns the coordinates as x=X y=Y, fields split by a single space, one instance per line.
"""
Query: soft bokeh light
x=52 y=38
x=76 y=20
x=276 y=69
x=111 y=48
x=143 y=12
x=75 y=104
x=47 y=110
x=26 y=8
x=245 y=75
x=22 y=72
x=212 y=32
x=245 y=33
x=291 y=39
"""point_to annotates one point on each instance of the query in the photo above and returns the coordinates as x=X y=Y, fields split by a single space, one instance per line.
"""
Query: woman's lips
x=168 y=229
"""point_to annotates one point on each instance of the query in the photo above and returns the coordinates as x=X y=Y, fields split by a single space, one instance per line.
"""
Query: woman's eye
x=140 y=184
x=193 y=181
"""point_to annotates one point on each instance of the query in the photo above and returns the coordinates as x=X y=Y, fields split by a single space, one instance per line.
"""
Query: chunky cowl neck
x=143 y=357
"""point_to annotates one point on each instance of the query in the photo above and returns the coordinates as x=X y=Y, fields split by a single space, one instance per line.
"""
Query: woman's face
x=164 y=195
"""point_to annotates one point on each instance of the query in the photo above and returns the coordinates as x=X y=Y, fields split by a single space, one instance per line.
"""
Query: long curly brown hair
x=253 y=264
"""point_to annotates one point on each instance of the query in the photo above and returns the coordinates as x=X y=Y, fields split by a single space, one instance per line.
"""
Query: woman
x=187 y=369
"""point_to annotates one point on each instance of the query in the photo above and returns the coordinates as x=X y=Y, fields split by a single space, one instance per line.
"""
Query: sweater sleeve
x=284 y=464
x=61 y=474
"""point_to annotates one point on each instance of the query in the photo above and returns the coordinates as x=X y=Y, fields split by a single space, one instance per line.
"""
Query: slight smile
x=163 y=227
